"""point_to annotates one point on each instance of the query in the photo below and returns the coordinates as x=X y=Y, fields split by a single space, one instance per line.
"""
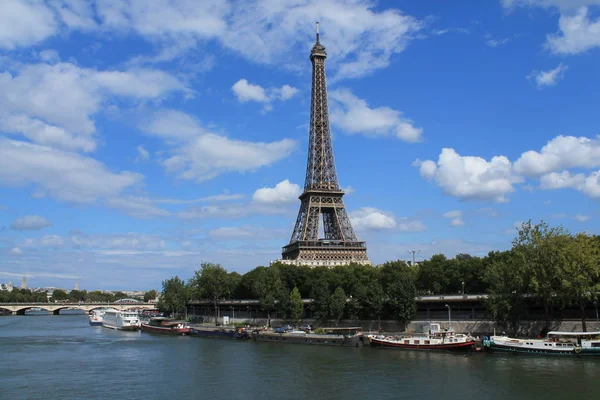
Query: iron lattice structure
x=322 y=195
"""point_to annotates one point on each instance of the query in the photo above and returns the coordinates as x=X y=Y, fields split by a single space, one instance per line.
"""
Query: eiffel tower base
x=325 y=253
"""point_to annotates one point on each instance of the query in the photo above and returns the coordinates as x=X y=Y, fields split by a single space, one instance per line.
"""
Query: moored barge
x=220 y=332
x=577 y=344
x=345 y=337
x=166 y=326
x=434 y=339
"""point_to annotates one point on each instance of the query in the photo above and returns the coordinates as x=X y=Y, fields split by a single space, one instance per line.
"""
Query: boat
x=167 y=326
x=97 y=315
x=556 y=343
x=220 y=332
x=435 y=338
x=121 y=320
x=345 y=337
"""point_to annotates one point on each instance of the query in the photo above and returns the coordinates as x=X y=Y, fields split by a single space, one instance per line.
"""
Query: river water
x=63 y=357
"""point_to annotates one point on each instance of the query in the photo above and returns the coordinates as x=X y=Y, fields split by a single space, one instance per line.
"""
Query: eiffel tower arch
x=321 y=199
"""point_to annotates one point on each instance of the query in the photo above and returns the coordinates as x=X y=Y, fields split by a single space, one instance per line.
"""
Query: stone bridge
x=54 y=308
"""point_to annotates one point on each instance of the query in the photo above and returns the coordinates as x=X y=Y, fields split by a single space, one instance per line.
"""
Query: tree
x=320 y=293
x=269 y=290
x=296 y=306
x=174 y=295
x=508 y=280
x=59 y=295
x=211 y=283
x=337 y=304
x=431 y=277
x=542 y=251
x=398 y=282
x=581 y=273
x=150 y=295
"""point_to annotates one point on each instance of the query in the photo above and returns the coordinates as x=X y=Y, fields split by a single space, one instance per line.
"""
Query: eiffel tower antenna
x=322 y=196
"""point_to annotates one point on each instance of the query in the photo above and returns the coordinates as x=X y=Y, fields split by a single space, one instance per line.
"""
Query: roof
x=558 y=333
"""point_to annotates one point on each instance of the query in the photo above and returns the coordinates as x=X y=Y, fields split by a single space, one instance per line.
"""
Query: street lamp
x=449 y=316
x=463 y=285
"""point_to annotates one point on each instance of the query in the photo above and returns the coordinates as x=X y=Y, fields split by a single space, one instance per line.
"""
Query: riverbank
x=476 y=328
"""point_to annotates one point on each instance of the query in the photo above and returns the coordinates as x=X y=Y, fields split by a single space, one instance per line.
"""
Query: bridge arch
x=6 y=310
x=56 y=311
x=21 y=311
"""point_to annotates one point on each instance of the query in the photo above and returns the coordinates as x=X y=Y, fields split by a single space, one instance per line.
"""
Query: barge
x=344 y=337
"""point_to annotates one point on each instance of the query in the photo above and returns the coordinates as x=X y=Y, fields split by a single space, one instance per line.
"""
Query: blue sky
x=137 y=142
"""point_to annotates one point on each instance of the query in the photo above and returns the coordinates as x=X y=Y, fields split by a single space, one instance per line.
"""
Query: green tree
x=398 y=282
x=580 y=277
x=150 y=295
x=337 y=304
x=59 y=295
x=296 y=306
x=543 y=252
x=508 y=281
x=431 y=277
x=211 y=283
x=174 y=295
x=269 y=290
x=320 y=293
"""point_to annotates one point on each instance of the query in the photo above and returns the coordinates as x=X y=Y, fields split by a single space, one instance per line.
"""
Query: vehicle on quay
x=346 y=337
x=166 y=326
x=435 y=338
x=220 y=332
x=121 y=320
x=577 y=344
x=95 y=317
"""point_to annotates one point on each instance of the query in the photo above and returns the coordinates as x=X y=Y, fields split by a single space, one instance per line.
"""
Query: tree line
x=546 y=266
x=96 y=296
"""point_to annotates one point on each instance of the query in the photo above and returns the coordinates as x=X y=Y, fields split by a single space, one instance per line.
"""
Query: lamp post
x=596 y=305
x=449 y=316
x=463 y=286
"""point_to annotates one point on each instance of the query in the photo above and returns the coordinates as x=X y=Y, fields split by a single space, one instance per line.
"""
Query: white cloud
x=245 y=91
x=218 y=197
x=25 y=23
x=582 y=218
x=53 y=104
x=497 y=42
x=246 y=233
x=143 y=154
x=137 y=206
x=17 y=251
x=470 y=177
x=560 y=153
x=199 y=155
x=455 y=216
x=578 y=33
x=62 y=175
x=550 y=77
x=588 y=185
x=353 y=115
x=283 y=192
x=369 y=218
x=30 y=222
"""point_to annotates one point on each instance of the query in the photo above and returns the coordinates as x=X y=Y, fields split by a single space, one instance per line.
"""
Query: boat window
x=596 y=344
x=427 y=341
x=417 y=341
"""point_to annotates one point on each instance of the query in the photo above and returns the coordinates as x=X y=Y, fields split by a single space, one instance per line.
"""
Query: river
x=63 y=357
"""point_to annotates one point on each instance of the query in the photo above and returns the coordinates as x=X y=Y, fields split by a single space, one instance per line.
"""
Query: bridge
x=54 y=308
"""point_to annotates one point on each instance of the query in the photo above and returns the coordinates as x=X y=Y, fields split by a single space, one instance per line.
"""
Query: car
x=279 y=329
x=305 y=328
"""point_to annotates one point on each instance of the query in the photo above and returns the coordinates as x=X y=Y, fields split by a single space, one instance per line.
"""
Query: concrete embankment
x=475 y=327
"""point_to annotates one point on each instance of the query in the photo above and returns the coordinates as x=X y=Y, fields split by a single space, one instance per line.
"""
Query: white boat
x=97 y=315
x=556 y=343
x=122 y=320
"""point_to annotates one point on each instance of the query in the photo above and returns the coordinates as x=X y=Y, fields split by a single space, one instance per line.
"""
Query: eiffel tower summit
x=322 y=196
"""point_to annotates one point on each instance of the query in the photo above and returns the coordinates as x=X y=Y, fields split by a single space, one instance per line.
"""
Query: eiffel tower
x=322 y=195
